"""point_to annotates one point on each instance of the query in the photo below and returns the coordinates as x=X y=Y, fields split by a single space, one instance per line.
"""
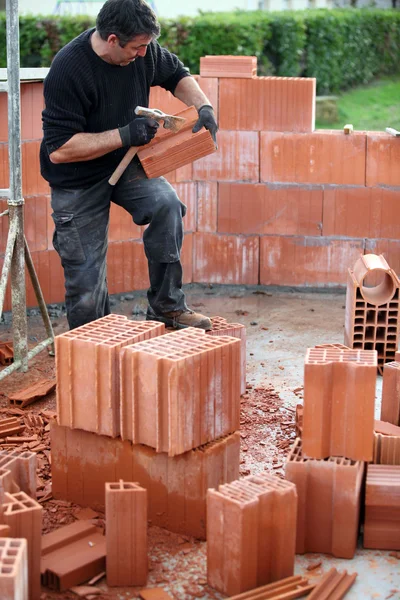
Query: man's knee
x=168 y=203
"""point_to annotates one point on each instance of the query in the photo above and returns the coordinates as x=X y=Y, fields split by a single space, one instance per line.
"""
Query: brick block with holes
x=22 y=467
x=390 y=407
x=220 y=326
x=372 y=308
x=339 y=401
x=329 y=496
x=251 y=533
x=24 y=517
x=87 y=369
x=382 y=507
x=13 y=569
x=180 y=390
x=126 y=534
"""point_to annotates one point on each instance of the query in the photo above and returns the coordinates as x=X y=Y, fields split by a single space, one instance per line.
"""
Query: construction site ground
x=280 y=324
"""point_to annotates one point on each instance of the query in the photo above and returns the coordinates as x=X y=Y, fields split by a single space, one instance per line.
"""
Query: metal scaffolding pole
x=17 y=251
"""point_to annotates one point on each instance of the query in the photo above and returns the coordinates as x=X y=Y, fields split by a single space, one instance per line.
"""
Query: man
x=92 y=89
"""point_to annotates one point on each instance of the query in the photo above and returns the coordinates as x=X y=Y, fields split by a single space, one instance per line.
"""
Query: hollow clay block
x=13 y=569
x=87 y=369
x=228 y=66
x=126 y=534
x=328 y=511
x=382 y=507
x=24 y=517
x=390 y=407
x=83 y=462
x=372 y=308
x=22 y=466
x=180 y=390
x=220 y=326
x=386 y=449
x=251 y=529
x=339 y=400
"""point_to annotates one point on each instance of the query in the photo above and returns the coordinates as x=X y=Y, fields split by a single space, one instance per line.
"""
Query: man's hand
x=207 y=119
x=138 y=132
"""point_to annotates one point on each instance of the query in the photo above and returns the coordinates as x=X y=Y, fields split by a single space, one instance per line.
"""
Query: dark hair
x=126 y=19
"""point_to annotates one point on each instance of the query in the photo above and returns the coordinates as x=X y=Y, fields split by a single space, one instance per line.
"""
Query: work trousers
x=81 y=219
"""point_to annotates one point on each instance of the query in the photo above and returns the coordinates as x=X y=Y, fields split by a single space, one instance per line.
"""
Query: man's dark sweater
x=85 y=94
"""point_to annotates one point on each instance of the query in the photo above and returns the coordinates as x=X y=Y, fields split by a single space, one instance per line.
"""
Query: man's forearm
x=87 y=146
x=189 y=91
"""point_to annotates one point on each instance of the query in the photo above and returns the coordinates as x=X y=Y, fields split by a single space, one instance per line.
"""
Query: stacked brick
x=279 y=203
x=134 y=404
x=220 y=326
x=13 y=571
x=372 y=308
x=382 y=507
x=251 y=533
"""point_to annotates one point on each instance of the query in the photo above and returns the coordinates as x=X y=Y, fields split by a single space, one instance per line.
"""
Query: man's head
x=128 y=27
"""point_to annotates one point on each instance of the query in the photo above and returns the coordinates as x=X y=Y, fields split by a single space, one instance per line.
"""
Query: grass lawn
x=372 y=107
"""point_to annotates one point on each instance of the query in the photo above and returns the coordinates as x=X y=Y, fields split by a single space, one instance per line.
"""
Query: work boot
x=180 y=319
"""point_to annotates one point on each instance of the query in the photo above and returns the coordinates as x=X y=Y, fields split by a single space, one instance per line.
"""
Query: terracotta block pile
x=372 y=308
x=329 y=496
x=13 y=571
x=382 y=507
x=136 y=405
x=251 y=533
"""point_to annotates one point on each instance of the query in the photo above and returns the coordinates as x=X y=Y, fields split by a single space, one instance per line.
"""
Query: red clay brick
x=258 y=208
x=220 y=326
x=24 y=517
x=386 y=449
x=329 y=497
x=251 y=533
x=13 y=569
x=228 y=66
x=237 y=159
x=306 y=261
x=165 y=101
x=180 y=391
x=4 y=164
x=187 y=258
x=32 y=104
x=126 y=534
x=207 y=199
x=187 y=193
x=267 y=104
x=36 y=218
x=22 y=466
x=87 y=371
x=32 y=181
x=51 y=278
x=382 y=507
x=390 y=249
x=127 y=267
x=333 y=585
x=180 y=509
x=383 y=159
x=3 y=118
x=339 y=397
x=390 y=407
x=228 y=259
x=361 y=212
x=321 y=157
x=122 y=227
x=372 y=313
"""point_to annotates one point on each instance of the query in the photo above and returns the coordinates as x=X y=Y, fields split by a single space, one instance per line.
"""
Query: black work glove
x=138 y=132
x=207 y=119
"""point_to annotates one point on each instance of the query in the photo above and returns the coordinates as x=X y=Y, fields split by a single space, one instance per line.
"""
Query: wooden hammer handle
x=115 y=177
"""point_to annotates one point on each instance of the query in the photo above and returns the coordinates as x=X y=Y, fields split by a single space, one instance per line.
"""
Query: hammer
x=170 y=122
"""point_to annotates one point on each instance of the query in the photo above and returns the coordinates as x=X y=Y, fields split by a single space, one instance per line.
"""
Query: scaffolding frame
x=17 y=252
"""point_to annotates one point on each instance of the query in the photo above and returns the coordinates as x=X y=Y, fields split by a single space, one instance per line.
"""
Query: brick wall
x=278 y=204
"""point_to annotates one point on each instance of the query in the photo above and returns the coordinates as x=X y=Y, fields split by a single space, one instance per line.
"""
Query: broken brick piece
x=6 y=353
x=288 y=588
x=228 y=66
x=87 y=366
x=339 y=401
x=14 y=569
x=22 y=466
x=386 y=428
x=83 y=462
x=251 y=533
x=32 y=393
x=299 y=420
x=372 y=313
x=328 y=510
x=386 y=449
x=24 y=517
x=180 y=391
x=126 y=534
x=390 y=407
x=333 y=585
x=154 y=594
x=382 y=507
x=171 y=150
x=220 y=326
x=10 y=426
x=71 y=555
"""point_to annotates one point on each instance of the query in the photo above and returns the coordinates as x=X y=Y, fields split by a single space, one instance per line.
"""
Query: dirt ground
x=178 y=563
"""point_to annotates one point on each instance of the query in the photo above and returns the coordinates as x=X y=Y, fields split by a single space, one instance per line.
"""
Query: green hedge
x=340 y=47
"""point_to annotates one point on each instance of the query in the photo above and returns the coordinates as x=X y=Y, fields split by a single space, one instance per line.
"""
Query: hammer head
x=170 y=121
